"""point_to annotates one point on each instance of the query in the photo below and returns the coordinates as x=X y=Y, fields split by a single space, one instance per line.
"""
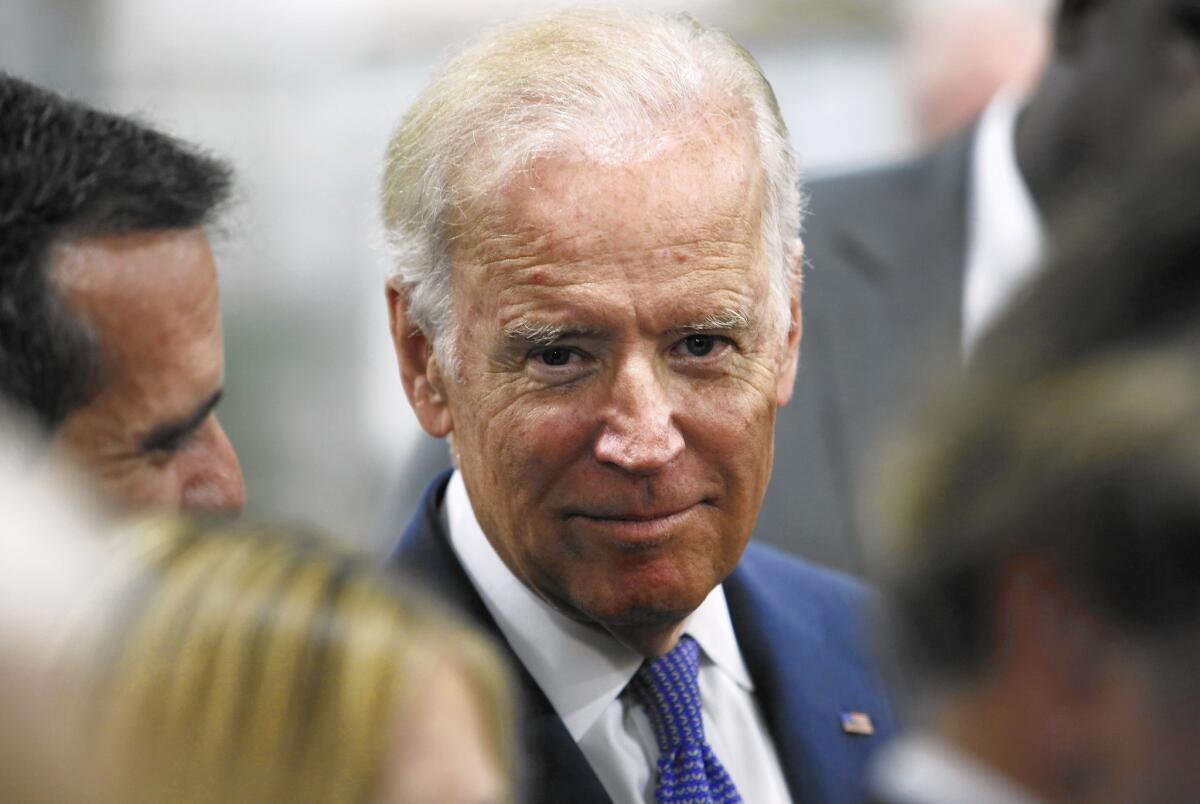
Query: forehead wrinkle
x=528 y=200
x=557 y=269
x=526 y=245
x=584 y=241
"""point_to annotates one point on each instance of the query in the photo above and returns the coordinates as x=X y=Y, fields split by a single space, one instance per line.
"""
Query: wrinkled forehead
x=697 y=180
x=507 y=155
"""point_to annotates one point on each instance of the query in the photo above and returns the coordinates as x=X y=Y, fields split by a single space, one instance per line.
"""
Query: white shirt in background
x=1005 y=241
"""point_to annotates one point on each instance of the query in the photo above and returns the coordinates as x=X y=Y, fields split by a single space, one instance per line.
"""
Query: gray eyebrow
x=543 y=334
x=723 y=320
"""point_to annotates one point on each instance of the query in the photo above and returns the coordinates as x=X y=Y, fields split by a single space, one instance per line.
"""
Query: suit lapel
x=804 y=683
x=909 y=226
x=555 y=769
x=882 y=306
x=895 y=273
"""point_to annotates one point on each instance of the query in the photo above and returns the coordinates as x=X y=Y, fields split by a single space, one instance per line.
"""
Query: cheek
x=539 y=437
x=731 y=432
x=525 y=449
x=147 y=487
x=734 y=416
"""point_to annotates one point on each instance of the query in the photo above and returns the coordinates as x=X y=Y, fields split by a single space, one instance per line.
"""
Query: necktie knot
x=669 y=689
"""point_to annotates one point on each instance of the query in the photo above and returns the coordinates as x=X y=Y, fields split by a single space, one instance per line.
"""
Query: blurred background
x=301 y=95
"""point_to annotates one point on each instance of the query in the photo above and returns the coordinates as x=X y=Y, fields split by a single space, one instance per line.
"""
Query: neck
x=649 y=636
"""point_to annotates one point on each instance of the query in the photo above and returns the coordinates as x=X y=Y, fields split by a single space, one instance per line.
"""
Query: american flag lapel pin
x=858 y=724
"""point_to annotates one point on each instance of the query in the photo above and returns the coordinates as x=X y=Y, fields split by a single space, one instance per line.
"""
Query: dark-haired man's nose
x=212 y=477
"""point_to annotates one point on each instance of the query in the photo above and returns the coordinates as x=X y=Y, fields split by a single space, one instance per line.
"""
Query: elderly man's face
x=621 y=363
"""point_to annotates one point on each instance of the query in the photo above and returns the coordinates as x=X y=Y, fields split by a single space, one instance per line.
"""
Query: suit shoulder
x=777 y=572
x=788 y=611
x=893 y=187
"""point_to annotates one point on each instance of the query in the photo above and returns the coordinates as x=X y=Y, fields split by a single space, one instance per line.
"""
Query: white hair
x=611 y=85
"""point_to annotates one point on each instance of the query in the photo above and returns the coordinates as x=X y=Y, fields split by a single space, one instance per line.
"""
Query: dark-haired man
x=910 y=263
x=110 y=333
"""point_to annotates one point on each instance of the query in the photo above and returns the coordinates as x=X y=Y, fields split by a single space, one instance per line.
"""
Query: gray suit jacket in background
x=885 y=251
x=882 y=305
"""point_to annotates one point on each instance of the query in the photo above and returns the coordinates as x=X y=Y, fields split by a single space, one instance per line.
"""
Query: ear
x=419 y=370
x=785 y=378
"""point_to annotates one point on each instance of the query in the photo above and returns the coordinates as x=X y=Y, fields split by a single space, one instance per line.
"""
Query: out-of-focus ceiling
x=266 y=40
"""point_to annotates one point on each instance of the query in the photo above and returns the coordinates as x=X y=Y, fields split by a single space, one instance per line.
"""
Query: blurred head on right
x=1045 y=594
x=1043 y=561
x=1115 y=68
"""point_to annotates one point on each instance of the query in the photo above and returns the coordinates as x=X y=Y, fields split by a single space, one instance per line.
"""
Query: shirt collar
x=581 y=669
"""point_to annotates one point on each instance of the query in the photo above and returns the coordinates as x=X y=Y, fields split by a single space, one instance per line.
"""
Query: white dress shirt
x=1005 y=240
x=584 y=671
x=920 y=769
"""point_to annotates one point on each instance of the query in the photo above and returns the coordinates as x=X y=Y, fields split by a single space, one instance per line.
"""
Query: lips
x=635 y=529
x=631 y=516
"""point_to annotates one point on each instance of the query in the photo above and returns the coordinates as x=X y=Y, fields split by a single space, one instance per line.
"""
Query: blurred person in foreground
x=1044 y=593
x=911 y=263
x=49 y=551
x=256 y=665
x=1044 y=568
x=110 y=332
x=1122 y=271
x=594 y=216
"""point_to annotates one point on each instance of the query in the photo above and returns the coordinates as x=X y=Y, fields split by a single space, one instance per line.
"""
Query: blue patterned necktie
x=688 y=770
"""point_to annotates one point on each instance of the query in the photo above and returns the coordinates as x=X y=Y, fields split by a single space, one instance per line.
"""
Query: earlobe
x=419 y=370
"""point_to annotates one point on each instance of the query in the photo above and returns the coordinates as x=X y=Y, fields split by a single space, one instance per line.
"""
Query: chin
x=646 y=611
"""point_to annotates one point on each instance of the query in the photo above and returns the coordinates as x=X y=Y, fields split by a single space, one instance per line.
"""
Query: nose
x=212 y=480
x=639 y=433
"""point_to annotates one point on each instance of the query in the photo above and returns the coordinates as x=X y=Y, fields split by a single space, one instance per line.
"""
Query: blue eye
x=555 y=357
x=699 y=345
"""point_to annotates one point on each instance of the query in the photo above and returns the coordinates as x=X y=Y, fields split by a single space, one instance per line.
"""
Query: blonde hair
x=264 y=666
x=604 y=83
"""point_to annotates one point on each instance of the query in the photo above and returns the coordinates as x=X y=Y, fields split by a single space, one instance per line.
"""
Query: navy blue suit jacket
x=801 y=632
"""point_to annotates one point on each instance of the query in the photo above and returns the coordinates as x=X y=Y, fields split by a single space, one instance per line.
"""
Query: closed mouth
x=636 y=530
x=635 y=517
